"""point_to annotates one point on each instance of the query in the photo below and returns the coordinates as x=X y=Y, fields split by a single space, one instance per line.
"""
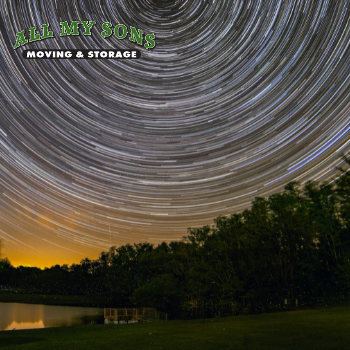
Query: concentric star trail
x=237 y=99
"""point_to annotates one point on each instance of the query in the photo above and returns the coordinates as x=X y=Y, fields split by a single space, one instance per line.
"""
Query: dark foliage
x=292 y=245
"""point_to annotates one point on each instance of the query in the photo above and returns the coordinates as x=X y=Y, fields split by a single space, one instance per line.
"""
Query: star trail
x=237 y=99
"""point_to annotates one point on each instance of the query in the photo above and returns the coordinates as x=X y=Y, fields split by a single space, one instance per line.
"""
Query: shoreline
x=304 y=330
x=56 y=300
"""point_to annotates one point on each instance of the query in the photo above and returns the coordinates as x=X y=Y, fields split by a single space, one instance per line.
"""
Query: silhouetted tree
x=294 y=244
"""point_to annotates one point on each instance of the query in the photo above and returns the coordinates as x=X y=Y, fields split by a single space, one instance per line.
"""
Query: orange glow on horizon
x=46 y=261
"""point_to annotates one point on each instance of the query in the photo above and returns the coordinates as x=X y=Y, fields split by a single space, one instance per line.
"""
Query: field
x=327 y=328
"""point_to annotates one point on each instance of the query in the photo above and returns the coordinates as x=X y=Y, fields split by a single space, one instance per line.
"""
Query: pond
x=15 y=316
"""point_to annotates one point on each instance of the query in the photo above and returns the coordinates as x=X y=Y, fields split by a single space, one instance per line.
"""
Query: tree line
x=291 y=245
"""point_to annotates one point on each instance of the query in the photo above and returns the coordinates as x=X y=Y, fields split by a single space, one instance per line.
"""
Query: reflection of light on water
x=25 y=325
x=26 y=316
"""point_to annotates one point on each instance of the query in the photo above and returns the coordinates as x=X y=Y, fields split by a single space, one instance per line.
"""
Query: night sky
x=237 y=99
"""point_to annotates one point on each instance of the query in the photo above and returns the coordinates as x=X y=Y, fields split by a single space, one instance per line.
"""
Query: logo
x=120 y=31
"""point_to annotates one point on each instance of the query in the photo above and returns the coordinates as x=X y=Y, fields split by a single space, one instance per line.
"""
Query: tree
x=3 y=262
x=294 y=230
x=262 y=282
x=163 y=293
x=343 y=193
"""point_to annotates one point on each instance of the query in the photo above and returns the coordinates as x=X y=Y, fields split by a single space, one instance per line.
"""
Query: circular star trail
x=237 y=99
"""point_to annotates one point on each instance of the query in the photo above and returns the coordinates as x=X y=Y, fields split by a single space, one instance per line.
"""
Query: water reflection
x=25 y=325
x=27 y=316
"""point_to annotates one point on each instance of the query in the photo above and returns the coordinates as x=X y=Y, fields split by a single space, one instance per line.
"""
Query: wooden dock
x=132 y=315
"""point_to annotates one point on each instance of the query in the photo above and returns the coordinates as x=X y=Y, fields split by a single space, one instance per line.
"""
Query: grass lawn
x=327 y=328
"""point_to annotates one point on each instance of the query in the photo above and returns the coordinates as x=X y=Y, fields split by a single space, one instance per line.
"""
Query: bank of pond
x=323 y=328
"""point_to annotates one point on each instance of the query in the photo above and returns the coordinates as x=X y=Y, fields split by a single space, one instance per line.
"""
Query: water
x=29 y=316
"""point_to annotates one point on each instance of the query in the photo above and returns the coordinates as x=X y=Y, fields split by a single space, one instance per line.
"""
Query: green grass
x=61 y=300
x=308 y=329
